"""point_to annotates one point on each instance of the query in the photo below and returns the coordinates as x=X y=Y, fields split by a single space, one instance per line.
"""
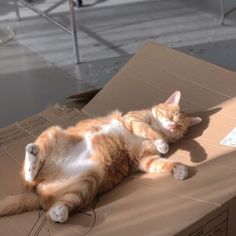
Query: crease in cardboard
x=38 y=224
x=93 y=223
x=200 y=200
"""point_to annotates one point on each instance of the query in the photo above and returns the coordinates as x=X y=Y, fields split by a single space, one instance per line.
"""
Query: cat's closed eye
x=176 y=114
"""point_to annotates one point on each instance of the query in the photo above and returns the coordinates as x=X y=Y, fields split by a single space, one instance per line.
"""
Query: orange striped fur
x=65 y=169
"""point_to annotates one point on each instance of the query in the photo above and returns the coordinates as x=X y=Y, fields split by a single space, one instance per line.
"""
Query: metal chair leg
x=17 y=10
x=80 y=3
x=74 y=30
x=222 y=12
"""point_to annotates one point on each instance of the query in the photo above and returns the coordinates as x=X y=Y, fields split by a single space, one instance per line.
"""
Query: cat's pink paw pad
x=162 y=146
x=180 y=172
x=58 y=213
x=32 y=149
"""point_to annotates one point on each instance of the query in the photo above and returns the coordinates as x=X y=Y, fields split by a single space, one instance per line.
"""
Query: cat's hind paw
x=58 y=213
x=162 y=146
x=180 y=172
x=32 y=148
x=32 y=162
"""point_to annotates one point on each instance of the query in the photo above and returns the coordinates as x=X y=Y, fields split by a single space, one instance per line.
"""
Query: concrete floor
x=37 y=67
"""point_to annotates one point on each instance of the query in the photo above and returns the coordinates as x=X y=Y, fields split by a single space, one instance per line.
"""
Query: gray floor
x=37 y=67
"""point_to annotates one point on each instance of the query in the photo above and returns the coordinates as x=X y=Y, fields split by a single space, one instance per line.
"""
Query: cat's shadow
x=196 y=151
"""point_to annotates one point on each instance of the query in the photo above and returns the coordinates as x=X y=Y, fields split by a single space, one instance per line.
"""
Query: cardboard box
x=146 y=204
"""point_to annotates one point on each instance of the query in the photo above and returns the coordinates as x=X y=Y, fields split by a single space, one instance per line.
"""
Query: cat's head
x=171 y=119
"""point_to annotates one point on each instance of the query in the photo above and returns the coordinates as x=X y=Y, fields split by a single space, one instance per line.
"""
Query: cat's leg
x=144 y=130
x=152 y=163
x=61 y=209
x=32 y=162
x=73 y=193
x=59 y=212
x=155 y=164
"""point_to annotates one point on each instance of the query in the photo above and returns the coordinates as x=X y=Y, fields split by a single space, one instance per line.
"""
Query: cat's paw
x=162 y=146
x=32 y=162
x=32 y=148
x=58 y=213
x=180 y=172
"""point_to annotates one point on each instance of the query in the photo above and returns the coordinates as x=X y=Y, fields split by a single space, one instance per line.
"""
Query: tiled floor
x=37 y=68
x=28 y=83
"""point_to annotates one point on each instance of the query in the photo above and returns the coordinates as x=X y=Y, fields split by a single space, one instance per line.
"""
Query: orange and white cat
x=64 y=169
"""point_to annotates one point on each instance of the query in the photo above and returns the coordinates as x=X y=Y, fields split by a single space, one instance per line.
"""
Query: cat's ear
x=174 y=98
x=194 y=121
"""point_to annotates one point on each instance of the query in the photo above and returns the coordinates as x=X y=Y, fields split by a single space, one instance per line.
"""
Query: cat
x=64 y=169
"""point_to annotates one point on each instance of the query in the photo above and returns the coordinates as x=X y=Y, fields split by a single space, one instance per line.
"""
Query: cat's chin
x=170 y=130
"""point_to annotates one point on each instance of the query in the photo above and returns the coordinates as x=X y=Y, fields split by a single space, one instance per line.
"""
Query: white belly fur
x=78 y=159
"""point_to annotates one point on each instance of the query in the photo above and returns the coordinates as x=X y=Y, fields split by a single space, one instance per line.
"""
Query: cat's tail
x=23 y=202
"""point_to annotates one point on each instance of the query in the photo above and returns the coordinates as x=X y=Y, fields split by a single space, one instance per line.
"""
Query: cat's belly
x=78 y=160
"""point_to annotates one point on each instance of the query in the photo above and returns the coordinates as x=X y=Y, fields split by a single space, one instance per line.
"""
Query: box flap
x=154 y=73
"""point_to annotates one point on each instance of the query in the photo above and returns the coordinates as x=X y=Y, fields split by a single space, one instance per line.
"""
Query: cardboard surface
x=204 y=204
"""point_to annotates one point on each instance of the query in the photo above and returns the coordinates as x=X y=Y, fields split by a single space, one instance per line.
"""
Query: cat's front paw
x=58 y=213
x=32 y=148
x=162 y=146
x=180 y=172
